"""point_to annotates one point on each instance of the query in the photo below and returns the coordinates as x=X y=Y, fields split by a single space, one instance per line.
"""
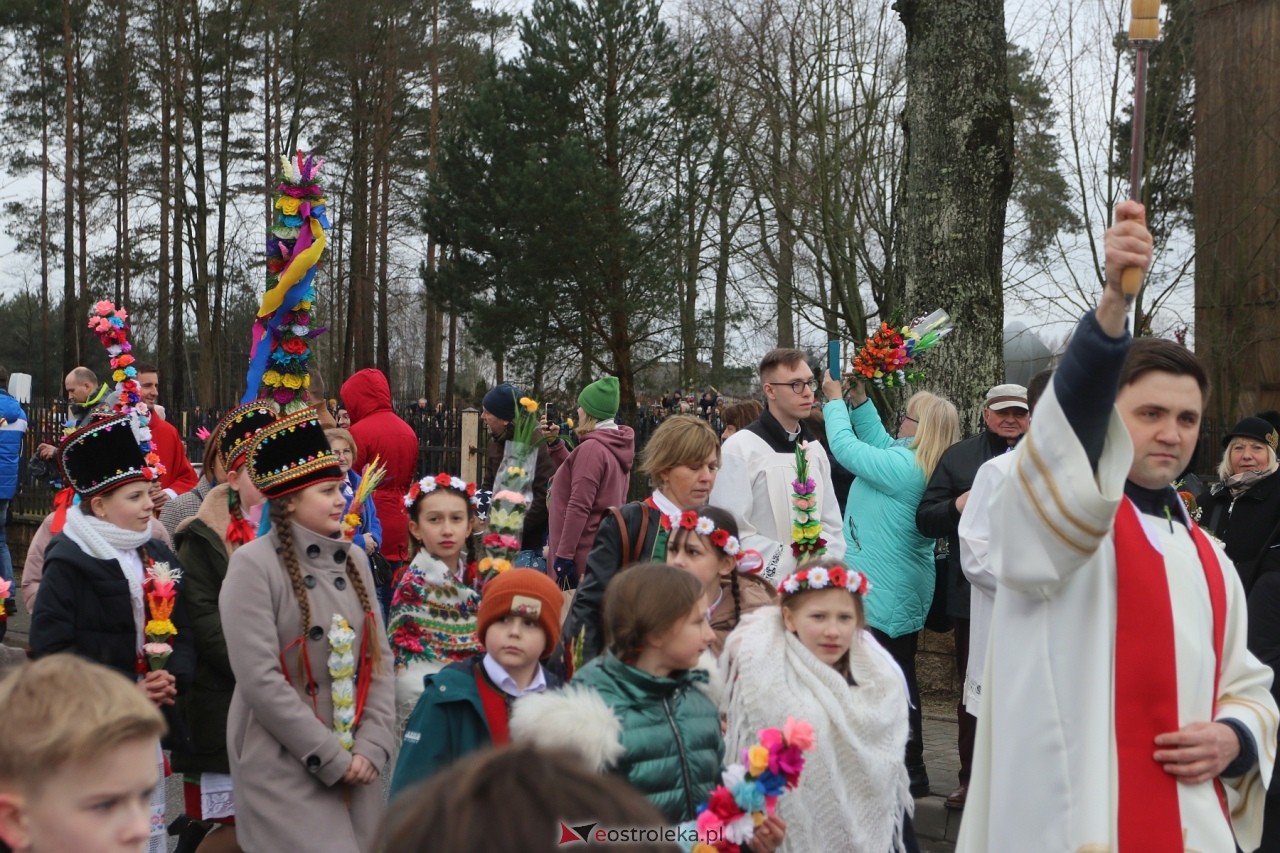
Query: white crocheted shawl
x=853 y=792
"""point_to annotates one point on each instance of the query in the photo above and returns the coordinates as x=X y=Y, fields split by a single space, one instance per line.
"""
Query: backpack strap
x=630 y=547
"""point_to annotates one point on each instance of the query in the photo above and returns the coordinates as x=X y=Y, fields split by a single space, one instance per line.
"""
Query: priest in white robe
x=1121 y=710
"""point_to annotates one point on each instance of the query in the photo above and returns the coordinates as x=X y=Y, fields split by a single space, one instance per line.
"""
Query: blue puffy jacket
x=13 y=423
x=880 y=531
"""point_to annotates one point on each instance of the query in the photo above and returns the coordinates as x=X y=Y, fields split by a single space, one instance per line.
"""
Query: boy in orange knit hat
x=467 y=705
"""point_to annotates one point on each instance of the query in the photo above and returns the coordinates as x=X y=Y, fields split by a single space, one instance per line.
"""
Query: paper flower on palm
x=888 y=357
x=111 y=325
x=806 y=523
x=342 y=672
x=282 y=332
x=749 y=791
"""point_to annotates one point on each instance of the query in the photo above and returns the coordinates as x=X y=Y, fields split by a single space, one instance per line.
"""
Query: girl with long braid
x=312 y=719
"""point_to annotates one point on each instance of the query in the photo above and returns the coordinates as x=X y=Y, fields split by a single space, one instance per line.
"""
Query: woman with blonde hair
x=1243 y=510
x=681 y=461
x=880 y=524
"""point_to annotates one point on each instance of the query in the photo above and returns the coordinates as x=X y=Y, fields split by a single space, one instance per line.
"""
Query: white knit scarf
x=104 y=541
x=853 y=792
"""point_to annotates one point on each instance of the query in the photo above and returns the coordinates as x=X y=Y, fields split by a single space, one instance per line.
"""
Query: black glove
x=566 y=573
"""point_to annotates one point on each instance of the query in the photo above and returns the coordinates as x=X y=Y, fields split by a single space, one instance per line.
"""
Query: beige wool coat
x=286 y=763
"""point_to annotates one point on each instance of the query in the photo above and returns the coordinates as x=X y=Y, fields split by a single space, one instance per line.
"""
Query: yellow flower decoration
x=292 y=380
x=500 y=565
x=271 y=378
x=306 y=383
x=160 y=628
x=117 y=376
x=516 y=471
x=529 y=405
x=757 y=760
x=288 y=206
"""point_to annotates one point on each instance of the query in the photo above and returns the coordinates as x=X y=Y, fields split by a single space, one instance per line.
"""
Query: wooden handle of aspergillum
x=1145 y=23
x=1131 y=280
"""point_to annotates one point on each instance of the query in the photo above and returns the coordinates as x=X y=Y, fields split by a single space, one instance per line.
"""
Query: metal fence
x=446 y=442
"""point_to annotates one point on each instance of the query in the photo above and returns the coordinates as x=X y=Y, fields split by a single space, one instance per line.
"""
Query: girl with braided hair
x=704 y=542
x=311 y=723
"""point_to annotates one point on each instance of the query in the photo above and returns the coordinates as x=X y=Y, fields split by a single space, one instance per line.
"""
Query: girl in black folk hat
x=312 y=718
x=95 y=598
x=92 y=600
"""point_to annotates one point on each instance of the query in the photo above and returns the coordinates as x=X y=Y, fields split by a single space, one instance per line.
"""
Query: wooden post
x=471 y=444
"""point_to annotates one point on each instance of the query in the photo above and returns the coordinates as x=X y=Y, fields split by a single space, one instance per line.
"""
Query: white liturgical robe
x=1045 y=775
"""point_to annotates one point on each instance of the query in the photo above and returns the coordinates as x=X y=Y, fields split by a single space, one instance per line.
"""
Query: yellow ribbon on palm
x=293 y=273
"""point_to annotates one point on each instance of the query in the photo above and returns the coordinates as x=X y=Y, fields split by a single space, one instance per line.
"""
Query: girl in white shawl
x=812 y=658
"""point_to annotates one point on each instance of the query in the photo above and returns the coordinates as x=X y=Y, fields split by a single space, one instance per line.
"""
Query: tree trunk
x=435 y=316
x=163 y=353
x=200 y=276
x=82 y=207
x=70 y=304
x=172 y=388
x=45 y=121
x=959 y=130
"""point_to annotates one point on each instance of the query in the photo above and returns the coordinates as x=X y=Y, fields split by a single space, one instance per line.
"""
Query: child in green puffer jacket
x=640 y=710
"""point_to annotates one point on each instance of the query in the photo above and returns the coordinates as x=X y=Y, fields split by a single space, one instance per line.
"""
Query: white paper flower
x=704 y=526
x=733 y=774
x=818 y=578
x=732 y=546
x=739 y=831
x=791 y=585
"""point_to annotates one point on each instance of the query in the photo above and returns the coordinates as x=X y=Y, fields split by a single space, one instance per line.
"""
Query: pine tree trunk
x=959 y=131
x=70 y=304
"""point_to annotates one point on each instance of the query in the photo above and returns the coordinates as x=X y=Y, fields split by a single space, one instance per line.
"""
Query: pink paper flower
x=709 y=823
x=798 y=733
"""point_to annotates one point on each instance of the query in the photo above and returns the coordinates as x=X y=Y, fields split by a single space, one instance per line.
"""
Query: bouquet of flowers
x=806 y=526
x=888 y=357
x=750 y=790
x=342 y=671
x=280 y=345
x=512 y=492
x=161 y=591
x=1188 y=500
x=372 y=475
x=111 y=325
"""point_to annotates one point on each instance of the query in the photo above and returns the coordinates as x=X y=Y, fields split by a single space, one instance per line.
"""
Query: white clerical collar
x=504 y=682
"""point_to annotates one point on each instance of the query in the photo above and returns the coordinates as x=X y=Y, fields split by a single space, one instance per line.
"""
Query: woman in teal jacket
x=880 y=531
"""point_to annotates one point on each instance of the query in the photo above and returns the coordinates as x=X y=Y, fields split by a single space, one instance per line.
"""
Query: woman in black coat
x=1243 y=510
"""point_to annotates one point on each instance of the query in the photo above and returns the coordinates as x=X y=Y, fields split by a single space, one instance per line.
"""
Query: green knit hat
x=600 y=399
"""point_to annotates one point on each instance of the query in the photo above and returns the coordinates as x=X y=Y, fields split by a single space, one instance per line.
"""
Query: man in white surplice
x=1121 y=710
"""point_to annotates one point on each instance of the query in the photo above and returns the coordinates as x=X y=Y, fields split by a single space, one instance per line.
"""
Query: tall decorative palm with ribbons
x=283 y=331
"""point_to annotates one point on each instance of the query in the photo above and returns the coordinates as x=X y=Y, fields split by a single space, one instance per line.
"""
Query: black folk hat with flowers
x=239 y=426
x=291 y=454
x=102 y=456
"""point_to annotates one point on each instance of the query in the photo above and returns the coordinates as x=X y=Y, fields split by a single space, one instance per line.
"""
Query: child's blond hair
x=68 y=710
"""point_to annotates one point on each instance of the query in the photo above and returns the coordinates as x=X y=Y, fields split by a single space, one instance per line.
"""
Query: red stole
x=1146 y=681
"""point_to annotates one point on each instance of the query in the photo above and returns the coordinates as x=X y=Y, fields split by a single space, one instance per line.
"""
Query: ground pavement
x=935 y=824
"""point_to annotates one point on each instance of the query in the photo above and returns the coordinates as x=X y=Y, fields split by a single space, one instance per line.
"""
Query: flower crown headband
x=427 y=485
x=748 y=560
x=820 y=577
